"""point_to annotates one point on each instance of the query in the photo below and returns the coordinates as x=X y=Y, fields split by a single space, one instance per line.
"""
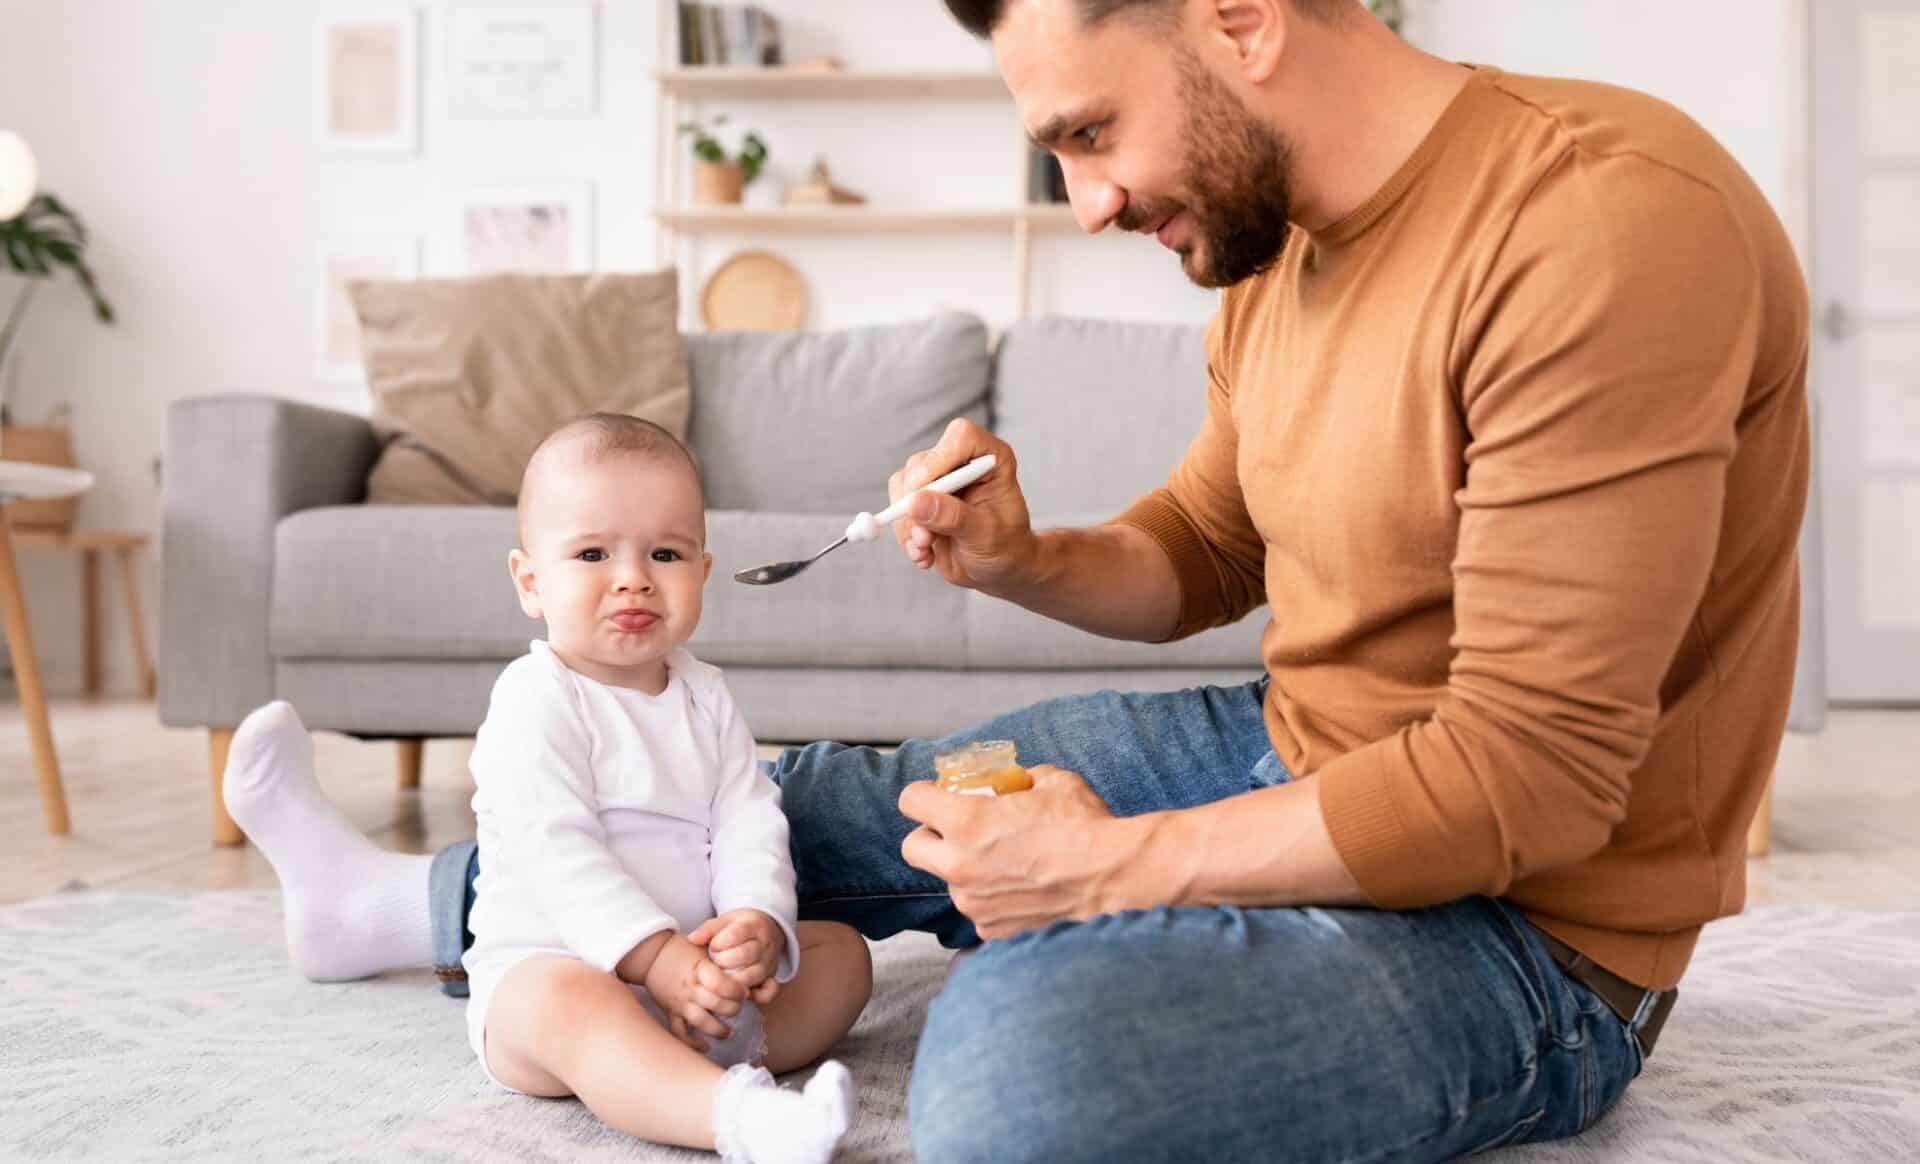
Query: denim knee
x=1000 y=1073
x=960 y=1092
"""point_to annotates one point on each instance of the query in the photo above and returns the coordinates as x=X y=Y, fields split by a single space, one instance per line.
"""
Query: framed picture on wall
x=338 y=330
x=366 y=77
x=546 y=230
x=522 y=60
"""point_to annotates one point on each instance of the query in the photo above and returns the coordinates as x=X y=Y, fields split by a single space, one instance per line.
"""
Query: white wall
x=181 y=131
x=1734 y=65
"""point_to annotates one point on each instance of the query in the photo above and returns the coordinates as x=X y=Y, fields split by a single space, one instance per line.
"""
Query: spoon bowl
x=774 y=572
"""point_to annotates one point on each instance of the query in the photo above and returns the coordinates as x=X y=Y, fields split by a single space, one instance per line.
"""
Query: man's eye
x=666 y=555
x=592 y=555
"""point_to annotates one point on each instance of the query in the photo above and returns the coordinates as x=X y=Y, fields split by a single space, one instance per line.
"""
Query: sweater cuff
x=1369 y=833
x=1161 y=519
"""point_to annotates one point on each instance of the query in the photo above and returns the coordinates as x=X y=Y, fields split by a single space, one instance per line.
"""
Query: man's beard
x=1237 y=174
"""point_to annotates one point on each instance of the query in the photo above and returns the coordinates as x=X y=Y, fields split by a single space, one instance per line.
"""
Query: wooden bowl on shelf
x=754 y=290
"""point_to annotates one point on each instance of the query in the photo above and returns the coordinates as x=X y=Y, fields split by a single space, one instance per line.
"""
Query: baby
x=635 y=941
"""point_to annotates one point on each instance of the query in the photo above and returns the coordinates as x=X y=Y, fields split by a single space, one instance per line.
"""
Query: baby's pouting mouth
x=634 y=620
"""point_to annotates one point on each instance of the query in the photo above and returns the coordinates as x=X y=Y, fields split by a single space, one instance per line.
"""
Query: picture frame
x=523 y=60
x=533 y=229
x=337 y=358
x=367 y=81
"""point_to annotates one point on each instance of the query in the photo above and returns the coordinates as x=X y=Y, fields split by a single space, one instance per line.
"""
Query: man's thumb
x=938 y=512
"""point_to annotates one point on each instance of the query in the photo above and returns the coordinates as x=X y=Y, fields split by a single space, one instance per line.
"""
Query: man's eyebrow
x=1056 y=127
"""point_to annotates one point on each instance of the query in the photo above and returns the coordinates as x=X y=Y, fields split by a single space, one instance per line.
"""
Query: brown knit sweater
x=1517 y=453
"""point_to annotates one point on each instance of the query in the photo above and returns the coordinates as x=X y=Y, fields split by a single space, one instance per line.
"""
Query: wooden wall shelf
x=700 y=82
x=681 y=226
x=861 y=220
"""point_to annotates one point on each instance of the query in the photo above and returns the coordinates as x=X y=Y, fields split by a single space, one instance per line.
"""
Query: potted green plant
x=719 y=179
x=36 y=244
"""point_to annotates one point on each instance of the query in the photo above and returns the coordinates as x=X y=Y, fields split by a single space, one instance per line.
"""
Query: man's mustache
x=1136 y=218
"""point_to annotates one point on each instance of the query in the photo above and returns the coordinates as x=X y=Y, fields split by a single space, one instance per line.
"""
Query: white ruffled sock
x=353 y=909
x=756 y=1121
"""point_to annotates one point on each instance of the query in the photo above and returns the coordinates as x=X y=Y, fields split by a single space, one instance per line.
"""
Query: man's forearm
x=1112 y=580
x=1265 y=848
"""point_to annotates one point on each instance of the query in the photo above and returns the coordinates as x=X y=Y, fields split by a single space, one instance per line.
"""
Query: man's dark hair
x=981 y=17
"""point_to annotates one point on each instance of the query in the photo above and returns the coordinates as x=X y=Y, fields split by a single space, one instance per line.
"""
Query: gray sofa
x=393 y=621
x=386 y=621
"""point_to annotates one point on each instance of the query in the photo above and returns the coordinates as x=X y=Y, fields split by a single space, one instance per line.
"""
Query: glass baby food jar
x=985 y=768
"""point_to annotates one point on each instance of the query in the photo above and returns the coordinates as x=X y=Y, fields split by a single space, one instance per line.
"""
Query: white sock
x=756 y=1121
x=353 y=909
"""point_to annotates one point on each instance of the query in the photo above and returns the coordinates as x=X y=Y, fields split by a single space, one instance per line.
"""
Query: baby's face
x=615 y=560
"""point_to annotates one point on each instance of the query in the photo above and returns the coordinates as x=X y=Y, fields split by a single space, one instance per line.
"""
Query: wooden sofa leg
x=225 y=832
x=1760 y=832
x=409 y=756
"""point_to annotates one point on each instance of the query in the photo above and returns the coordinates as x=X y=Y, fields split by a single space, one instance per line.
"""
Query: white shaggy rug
x=137 y=1027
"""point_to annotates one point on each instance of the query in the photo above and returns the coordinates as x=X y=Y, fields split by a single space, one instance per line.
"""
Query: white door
x=1865 y=144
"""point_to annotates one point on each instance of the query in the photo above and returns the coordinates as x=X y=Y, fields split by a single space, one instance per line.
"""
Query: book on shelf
x=728 y=34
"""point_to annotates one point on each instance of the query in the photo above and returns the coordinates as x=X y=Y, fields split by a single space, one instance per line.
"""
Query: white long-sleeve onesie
x=607 y=815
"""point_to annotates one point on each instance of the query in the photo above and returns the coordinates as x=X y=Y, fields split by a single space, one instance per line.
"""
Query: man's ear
x=1257 y=32
x=524 y=584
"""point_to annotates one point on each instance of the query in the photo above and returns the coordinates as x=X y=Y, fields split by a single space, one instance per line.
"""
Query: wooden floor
x=1846 y=831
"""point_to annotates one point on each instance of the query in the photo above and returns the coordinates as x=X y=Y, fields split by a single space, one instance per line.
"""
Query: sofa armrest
x=236 y=465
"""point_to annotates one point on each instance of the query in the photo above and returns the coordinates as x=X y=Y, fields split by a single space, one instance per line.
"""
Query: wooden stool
x=20 y=481
x=123 y=546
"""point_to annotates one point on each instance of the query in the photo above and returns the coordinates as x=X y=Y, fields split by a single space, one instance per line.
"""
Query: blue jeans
x=1194 y=1033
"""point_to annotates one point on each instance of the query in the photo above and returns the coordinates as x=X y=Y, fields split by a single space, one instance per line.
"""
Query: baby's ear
x=524 y=584
x=708 y=558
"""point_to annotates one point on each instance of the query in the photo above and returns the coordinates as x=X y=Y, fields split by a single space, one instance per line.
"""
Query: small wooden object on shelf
x=819 y=190
x=754 y=291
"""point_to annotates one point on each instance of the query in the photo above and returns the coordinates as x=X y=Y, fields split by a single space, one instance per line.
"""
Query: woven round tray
x=754 y=291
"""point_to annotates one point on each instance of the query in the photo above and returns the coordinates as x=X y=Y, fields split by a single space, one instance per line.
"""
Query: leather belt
x=1623 y=998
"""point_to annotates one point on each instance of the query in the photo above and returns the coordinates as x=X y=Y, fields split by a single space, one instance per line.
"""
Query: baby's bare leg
x=558 y=1027
x=813 y=1011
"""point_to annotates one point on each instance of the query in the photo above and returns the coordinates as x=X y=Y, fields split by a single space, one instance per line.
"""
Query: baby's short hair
x=595 y=436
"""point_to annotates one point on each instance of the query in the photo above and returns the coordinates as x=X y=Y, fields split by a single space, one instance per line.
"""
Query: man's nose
x=1096 y=201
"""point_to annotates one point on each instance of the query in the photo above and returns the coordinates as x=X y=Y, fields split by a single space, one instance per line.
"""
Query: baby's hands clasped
x=746 y=944
x=695 y=995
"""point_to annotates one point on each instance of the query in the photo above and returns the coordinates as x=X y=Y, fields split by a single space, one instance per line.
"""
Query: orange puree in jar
x=986 y=768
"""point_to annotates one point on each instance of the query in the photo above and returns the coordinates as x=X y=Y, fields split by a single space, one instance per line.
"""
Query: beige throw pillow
x=469 y=374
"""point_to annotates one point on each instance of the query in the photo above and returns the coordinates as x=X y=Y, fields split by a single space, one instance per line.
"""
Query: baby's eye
x=666 y=555
x=592 y=554
x=1089 y=135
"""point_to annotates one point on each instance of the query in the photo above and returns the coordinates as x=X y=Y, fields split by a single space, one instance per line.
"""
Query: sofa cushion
x=415 y=582
x=861 y=606
x=1003 y=636
x=397 y=582
x=1140 y=389
x=799 y=422
x=471 y=374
